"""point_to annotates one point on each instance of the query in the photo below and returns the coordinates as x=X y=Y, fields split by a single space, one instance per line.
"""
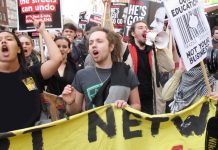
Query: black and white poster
x=190 y=28
x=153 y=13
x=83 y=20
x=118 y=10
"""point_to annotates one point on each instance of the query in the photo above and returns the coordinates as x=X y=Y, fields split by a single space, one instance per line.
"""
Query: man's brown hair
x=113 y=38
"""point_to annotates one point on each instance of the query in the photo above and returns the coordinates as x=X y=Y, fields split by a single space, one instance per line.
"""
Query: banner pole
x=41 y=49
x=205 y=76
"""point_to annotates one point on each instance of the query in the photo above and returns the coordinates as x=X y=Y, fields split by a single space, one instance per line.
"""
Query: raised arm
x=172 y=84
x=51 y=66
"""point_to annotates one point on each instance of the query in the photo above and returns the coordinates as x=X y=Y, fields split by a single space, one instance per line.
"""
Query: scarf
x=32 y=59
x=192 y=85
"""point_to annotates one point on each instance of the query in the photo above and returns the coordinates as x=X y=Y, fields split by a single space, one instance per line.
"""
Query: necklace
x=99 y=76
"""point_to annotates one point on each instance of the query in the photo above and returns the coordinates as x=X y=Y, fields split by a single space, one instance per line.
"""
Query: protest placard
x=140 y=10
x=47 y=10
x=95 y=18
x=118 y=12
x=83 y=20
x=190 y=28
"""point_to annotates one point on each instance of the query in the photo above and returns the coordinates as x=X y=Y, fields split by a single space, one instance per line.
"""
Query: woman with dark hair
x=65 y=73
x=21 y=86
x=32 y=56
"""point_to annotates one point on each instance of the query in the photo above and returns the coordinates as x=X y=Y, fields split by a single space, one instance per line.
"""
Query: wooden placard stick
x=203 y=68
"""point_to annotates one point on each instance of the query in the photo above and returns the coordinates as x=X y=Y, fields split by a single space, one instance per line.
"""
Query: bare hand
x=181 y=65
x=120 y=104
x=68 y=94
x=214 y=95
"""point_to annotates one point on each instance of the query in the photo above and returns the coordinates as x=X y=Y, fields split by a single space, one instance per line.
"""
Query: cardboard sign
x=141 y=10
x=190 y=28
x=118 y=12
x=47 y=10
x=96 y=18
x=82 y=20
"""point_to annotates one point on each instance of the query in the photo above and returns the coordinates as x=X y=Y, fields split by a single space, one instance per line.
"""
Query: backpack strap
x=126 y=54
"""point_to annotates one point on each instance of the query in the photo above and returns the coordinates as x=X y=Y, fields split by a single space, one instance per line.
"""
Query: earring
x=18 y=52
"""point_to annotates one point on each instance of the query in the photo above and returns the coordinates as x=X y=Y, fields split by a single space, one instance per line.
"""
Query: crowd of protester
x=90 y=68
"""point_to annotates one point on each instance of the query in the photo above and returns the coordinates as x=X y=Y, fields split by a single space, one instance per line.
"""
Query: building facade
x=3 y=15
x=12 y=13
x=8 y=14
